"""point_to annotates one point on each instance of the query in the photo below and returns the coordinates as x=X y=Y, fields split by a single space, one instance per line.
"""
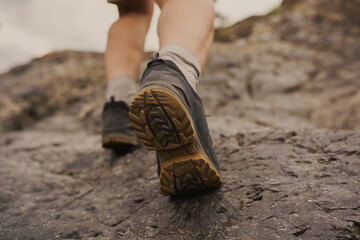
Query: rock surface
x=284 y=118
x=57 y=183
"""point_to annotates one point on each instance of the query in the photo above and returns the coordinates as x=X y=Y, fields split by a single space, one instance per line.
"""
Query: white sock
x=186 y=61
x=122 y=88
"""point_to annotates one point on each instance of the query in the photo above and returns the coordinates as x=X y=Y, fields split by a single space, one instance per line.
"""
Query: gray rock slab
x=58 y=183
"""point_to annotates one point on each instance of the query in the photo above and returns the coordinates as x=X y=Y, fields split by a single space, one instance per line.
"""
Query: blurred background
x=281 y=90
x=281 y=64
x=31 y=28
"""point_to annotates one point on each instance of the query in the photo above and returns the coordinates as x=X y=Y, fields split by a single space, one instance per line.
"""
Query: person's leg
x=125 y=45
x=186 y=31
x=126 y=38
x=122 y=60
x=167 y=114
x=187 y=23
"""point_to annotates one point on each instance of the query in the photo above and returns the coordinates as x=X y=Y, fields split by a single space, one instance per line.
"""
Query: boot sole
x=163 y=124
x=117 y=141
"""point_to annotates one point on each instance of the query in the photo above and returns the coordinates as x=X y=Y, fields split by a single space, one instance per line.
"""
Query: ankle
x=121 y=88
x=185 y=60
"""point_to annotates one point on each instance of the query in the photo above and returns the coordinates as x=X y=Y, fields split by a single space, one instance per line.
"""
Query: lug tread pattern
x=163 y=125
x=160 y=121
x=188 y=176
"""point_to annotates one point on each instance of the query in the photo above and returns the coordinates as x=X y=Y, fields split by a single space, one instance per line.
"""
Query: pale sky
x=32 y=28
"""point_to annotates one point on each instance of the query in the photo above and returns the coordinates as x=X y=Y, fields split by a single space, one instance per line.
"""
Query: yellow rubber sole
x=164 y=125
x=118 y=141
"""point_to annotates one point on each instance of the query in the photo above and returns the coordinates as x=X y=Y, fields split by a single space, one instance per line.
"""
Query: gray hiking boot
x=168 y=117
x=117 y=133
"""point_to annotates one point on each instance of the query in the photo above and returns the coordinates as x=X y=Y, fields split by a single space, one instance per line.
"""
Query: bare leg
x=189 y=23
x=167 y=116
x=126 y=39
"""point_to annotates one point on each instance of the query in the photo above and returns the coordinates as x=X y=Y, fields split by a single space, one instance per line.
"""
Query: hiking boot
x=117 y=132
x=168 y=117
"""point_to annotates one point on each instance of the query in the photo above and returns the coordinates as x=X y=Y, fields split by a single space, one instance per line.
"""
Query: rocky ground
x=284 y=116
